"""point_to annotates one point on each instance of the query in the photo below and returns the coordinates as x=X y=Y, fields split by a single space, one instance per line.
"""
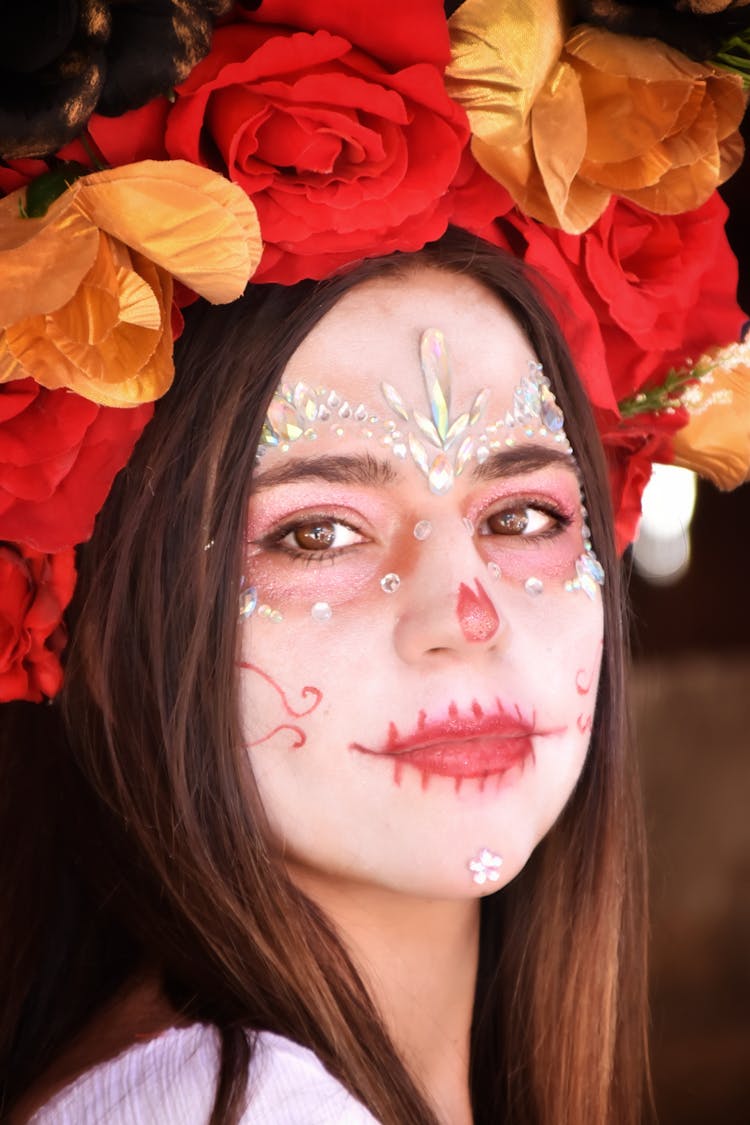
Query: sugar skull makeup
x=417 y=539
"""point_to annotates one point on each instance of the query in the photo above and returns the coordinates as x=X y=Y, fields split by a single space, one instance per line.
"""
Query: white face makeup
x=419 y=667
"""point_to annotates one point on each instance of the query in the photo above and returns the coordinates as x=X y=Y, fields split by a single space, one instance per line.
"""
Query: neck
x=418 y=958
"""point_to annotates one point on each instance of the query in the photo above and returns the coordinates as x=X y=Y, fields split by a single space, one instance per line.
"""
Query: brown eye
x=526 y=521
x=314 y=536
x=509 y=523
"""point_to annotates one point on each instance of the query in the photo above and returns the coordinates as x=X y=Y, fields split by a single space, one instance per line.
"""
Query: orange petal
x=192 y=222
x=42 y=261
x=501 y=56
x=716 y=441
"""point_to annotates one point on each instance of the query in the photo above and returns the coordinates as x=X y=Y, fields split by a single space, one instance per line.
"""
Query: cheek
x=359 y=579
x=549 y=560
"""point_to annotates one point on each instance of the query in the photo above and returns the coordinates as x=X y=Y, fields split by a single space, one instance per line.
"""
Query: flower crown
x=147 y=163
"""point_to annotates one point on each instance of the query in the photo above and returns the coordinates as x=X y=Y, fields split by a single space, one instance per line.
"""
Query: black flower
x=698 y=28
x=52 y=67
x=60 y=60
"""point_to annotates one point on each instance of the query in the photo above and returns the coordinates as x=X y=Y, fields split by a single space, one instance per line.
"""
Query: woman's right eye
x=317 y=536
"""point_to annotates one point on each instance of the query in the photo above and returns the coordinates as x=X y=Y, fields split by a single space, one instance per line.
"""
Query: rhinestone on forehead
x=441 y=448
x=439 y=443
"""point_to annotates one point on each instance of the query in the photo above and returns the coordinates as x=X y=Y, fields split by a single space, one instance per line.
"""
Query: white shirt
x=171 y=1080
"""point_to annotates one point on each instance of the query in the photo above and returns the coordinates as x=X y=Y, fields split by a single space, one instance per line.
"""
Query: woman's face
x=422 y=619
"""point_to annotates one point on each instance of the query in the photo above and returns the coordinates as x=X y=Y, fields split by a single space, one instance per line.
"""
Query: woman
x=413 y=523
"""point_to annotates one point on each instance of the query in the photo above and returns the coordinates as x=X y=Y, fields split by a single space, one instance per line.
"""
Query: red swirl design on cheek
x=300 y=738
x=477 y=615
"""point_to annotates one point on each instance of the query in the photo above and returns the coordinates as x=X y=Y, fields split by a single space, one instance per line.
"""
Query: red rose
x=15 y=174
x=631 y=452
x=35 y=588
x=560 y=288
x=59 y=454
x=630 y=445
x=662 y=286
x=342 y=156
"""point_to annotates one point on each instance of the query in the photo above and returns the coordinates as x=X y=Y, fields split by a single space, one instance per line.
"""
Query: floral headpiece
x=152 y=156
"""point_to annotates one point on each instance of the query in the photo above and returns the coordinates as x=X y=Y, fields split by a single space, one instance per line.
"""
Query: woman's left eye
x=526 y=520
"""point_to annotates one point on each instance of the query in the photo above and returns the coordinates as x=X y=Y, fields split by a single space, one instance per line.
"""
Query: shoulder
x=173 y=1078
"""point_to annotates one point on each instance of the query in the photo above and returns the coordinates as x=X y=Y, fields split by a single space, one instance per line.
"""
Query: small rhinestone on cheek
x=468 y=525
x=533 y=587
x=422 y=530
x=321 y=611
x=494 y=570
x=389 y=583
x=248 y=602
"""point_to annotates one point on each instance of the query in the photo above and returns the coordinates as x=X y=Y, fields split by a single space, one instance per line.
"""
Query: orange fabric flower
x=86 y=290
x=716 y=441
x=565 y=123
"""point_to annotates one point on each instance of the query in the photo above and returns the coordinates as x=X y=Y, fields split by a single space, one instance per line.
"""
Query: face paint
x=476 y=613
x=501 y=741
x=280 y=703
x=394 y=588
x=441 y=445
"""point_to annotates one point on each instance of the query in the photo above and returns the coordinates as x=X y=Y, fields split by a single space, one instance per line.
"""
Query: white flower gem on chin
x=485 y=868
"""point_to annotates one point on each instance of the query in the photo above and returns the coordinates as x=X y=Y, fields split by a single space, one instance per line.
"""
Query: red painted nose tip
x=477 y=615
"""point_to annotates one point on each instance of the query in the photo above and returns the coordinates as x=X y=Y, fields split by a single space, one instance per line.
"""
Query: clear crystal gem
x=248 y=601
x=321 y=611
x=389 y=583
x=440 y=476
x=533 y=587
x=422 y=529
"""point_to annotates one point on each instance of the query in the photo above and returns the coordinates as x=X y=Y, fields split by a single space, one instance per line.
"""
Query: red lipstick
x=485 y=743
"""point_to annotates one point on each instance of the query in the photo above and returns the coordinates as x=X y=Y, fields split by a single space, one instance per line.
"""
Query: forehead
x=373 y=332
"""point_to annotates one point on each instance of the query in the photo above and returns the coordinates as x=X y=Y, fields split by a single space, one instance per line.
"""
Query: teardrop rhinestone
x=440 y=477
x=551 y=414
x=284 y=420
x=419 y=454
x=427 y=428
x=463 y=456
x=394 y=400
x=478 y=405
x=248 y=601
x=433 y=356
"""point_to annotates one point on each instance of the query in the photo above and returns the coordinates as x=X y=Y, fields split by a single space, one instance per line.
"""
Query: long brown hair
x=128 y=834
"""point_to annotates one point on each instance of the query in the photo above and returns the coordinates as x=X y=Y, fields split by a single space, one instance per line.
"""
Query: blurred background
x=691 y=707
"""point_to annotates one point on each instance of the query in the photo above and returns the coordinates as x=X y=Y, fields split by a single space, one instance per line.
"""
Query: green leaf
x=42 y=192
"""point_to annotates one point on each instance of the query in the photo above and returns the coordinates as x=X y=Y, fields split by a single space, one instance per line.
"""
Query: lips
x=486 y=742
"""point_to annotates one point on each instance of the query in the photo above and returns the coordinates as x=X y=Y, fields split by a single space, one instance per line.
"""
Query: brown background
x=691 y=697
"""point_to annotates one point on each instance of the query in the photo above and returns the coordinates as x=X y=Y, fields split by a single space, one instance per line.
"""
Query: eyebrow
x=522 y=459
x=334 y=468
x=368 y=470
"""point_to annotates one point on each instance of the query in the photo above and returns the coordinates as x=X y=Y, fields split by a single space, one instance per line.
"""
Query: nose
x=450 y=610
